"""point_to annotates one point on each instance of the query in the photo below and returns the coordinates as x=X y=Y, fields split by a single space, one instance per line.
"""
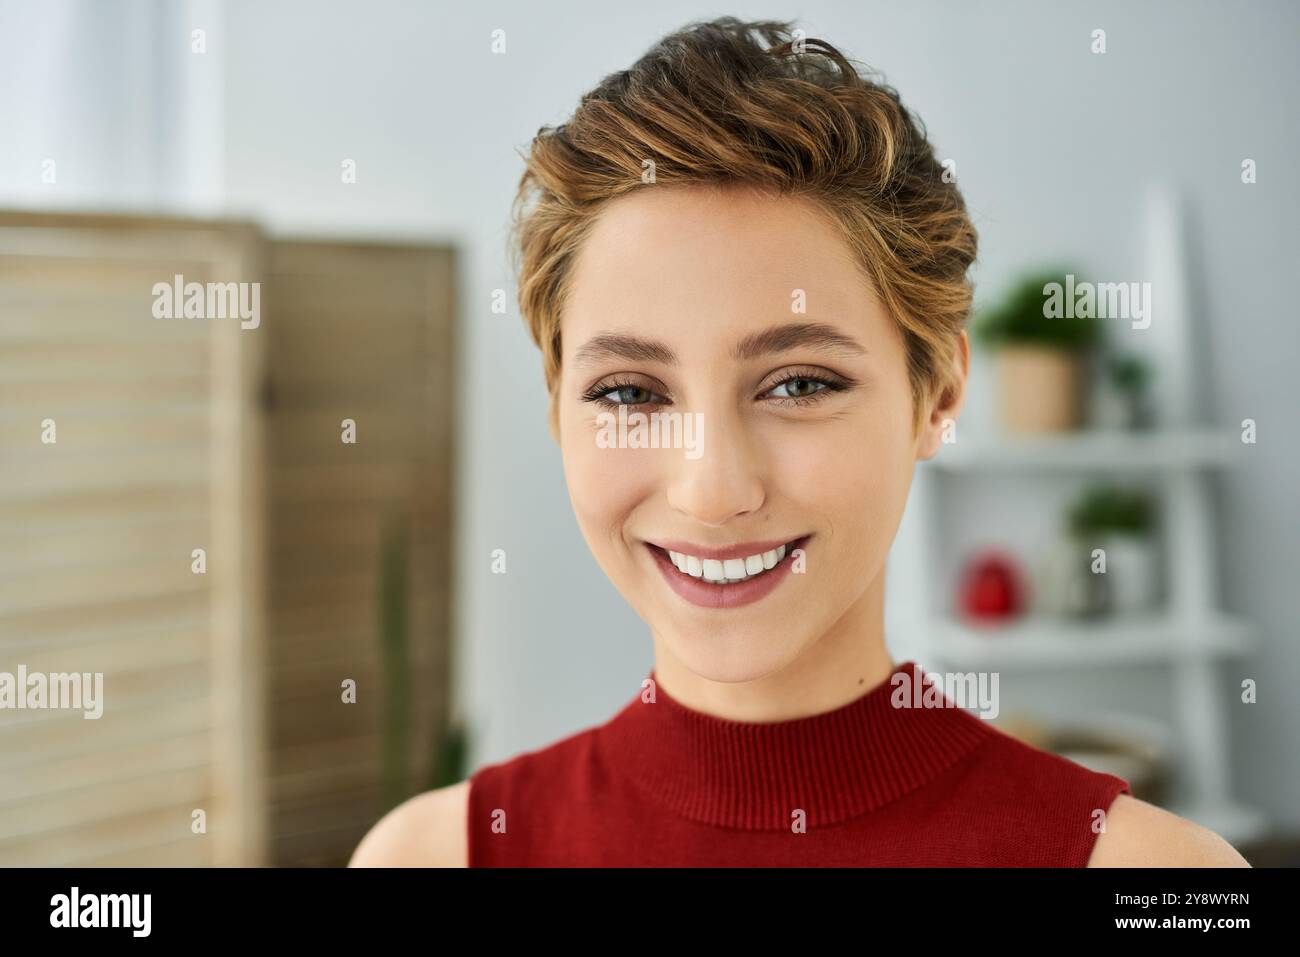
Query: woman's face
x=741 y=321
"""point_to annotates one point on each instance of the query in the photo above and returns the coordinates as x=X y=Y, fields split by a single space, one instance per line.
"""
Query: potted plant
x=1123 y=401
x=396 y=658
x=1121 y=522
x=1042 y=359
x=449 y=761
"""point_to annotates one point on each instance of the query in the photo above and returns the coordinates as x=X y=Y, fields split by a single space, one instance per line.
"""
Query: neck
x=841 y=665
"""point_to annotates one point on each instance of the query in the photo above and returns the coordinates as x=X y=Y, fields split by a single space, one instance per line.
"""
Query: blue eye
x=796 y=389
x=626 y=393
x=799 y=387
x=804 y=389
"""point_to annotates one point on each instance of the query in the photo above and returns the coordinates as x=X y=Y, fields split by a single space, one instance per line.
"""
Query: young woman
x=748 y=250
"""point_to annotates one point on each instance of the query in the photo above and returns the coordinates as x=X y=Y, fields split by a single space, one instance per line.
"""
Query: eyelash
x=597 y=393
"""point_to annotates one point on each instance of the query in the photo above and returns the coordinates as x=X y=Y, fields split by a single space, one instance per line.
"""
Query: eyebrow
x=777 y=339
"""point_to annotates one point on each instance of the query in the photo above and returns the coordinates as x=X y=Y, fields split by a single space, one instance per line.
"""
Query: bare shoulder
x=1139 y=834
x=428 y=830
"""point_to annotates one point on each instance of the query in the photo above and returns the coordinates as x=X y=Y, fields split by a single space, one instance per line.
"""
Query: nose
x=727 y=480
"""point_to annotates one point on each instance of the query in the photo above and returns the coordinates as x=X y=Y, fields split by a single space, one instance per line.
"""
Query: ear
x=941 y=417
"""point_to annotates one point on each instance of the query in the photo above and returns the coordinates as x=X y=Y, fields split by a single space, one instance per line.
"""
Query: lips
x=727 y=571
x=726 y=576
x=740 y=550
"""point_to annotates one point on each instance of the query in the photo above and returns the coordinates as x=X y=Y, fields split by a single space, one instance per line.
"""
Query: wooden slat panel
x=114 y=653
x=72 y=810
x=337 y=642
x=101 y=767
x=158 y=430
x=157 y=454
x=122 y=544
x=73 y=471
x=124 y=405
x=86 y=360
x=189 y=851
x=102 y=508
x=121 y=726
x=298 y=624
x=361 y=333
x=147 y=825
x=312 y=717
x=323 y=828
x=80 y=585
x=312 y=678
x=108 y=430
x=80 y=624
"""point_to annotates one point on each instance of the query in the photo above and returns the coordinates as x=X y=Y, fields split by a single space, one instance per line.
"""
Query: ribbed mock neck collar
x=752 y=775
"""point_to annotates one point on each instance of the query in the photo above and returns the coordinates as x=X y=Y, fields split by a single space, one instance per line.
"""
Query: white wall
x=1054 y=148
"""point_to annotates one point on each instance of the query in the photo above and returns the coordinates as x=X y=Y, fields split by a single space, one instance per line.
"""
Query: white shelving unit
x=1189 y=635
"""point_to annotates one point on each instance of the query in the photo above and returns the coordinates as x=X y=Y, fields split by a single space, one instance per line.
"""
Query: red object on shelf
x=992 y=587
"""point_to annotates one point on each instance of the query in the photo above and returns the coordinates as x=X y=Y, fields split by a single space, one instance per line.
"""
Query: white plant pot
x=1132 y=572
x=1063 y=583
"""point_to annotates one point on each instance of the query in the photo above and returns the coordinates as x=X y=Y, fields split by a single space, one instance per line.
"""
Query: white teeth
x=729 y=570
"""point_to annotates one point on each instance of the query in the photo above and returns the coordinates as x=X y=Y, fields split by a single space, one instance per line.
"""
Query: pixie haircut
x=755 y=104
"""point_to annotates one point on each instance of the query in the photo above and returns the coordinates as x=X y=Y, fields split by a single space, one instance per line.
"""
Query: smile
x=724 y=577
x=727 y=571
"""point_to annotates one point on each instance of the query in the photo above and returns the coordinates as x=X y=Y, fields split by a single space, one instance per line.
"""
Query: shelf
x=1093 y=450
x=1052 y=641
x=1183 y=636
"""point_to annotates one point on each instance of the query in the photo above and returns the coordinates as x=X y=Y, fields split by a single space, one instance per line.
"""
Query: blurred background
x=319 y=548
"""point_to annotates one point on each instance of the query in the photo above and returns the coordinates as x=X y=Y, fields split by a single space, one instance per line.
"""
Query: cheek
x=853 y=475
x=605 y=485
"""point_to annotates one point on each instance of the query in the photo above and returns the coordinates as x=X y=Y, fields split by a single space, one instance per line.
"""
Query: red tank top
x=869 y=784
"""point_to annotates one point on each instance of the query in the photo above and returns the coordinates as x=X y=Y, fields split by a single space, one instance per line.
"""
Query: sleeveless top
x=878 y=782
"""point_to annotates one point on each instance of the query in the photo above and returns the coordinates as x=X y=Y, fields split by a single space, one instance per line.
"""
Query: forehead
x=693 y=259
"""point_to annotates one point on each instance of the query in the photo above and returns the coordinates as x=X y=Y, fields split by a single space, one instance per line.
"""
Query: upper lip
x=739 y=550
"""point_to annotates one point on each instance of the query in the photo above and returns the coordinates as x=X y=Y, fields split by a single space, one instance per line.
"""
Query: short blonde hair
x=728 y=102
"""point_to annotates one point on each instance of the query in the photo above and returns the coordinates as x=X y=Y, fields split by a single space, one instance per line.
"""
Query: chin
x=745 y=648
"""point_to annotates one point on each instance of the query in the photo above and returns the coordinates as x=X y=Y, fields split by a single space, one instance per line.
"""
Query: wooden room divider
x=183 y=509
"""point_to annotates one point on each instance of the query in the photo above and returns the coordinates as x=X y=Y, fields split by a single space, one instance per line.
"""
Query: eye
x=623 y=393
x=805 y=387
x=799 y=387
